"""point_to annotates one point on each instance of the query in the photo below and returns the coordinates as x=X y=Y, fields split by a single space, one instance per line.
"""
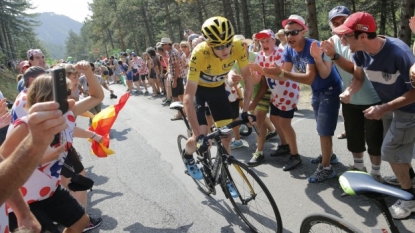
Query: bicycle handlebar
x=225 y=130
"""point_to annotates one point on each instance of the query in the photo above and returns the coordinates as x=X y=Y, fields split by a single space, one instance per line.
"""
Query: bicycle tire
x=265 y=219
x=326 y=222
x=203 y=184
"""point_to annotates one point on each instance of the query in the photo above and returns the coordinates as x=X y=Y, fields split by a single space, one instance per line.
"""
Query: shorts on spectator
x=129 y=76
x=96 y=109
x=399 y=140
x=361 y=131
x=143 y=77
x=61 y=207
x=136 y=77
x=179 y=89
x=283 y=114
x=264 y=103
x=326 y=110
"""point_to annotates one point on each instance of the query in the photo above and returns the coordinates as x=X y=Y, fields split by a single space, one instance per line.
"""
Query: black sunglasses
x=222 y=47
x=293 y=32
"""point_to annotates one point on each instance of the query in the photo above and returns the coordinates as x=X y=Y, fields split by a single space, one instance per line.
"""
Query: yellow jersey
x=208 y=70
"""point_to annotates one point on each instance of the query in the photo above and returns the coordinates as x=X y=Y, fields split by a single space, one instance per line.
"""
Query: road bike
x=357 y=183
x=251 y=199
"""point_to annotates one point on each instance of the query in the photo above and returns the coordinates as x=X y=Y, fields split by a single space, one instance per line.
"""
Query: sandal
x=342 y=136
x=176 y=117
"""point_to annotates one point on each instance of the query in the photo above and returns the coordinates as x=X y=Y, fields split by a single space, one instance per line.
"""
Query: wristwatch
x=336 y=57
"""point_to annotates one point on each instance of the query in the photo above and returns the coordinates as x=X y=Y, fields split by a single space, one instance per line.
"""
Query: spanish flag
x=102 y=123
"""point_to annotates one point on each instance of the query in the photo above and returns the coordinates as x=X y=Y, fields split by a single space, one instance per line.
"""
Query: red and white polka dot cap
x=265 y=34
x=33 y=52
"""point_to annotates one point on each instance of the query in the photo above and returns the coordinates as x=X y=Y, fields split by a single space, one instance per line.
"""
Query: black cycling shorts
x=218 y=102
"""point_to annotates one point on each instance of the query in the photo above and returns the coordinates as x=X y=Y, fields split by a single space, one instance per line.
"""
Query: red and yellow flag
x=102 y=123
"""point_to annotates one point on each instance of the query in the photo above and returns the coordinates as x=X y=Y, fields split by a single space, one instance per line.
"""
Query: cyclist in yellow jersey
x=209 y=64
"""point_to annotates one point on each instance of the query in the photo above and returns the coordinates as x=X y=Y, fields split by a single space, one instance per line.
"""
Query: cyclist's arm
x=188 y=103
x=246 y=74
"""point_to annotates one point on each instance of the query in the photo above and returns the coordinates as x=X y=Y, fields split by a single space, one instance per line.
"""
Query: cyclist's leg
x=221 y=111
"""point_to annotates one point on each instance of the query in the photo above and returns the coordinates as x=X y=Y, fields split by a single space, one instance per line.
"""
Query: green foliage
x=138 y=24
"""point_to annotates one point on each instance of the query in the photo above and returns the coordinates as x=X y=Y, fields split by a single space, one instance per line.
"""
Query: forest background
x=117 y=25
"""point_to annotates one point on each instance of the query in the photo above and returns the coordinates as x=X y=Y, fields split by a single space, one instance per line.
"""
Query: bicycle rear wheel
x=204 y=185
x=326 y=223
x=255 y=204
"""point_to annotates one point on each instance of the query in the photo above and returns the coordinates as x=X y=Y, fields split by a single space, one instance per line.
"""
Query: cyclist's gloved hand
x=245 y=116
x=202 y=143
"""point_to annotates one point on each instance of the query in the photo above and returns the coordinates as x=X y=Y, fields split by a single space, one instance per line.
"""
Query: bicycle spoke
x=255 y=204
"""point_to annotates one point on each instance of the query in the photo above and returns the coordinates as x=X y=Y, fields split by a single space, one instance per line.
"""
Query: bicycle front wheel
x=326 y=223
x=203 y=184
x=254 y=204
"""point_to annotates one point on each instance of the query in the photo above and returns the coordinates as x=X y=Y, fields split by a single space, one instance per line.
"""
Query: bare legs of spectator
x=326 y=143
x=129 y=85
x=167 y=87
x=260 y=121
x=152 y=82
x=286 y=133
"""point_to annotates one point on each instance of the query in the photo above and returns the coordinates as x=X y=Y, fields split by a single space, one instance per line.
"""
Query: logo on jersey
x=212 y=78
x=386 y=76
x=193 y=59
x=228 y=66
x=209 y=67
x=193 y=69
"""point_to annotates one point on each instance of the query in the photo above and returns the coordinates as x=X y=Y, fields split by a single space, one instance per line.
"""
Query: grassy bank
x=8 y=84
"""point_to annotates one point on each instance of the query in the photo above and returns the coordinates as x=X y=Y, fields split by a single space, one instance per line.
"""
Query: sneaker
x=146 y=93
x=243 y=128
x=292 y=163
x=333 y=159
x=236 y=144
x=94 y=222
x=321 y=174
x=193 y=170
x=271 y=135
x=257 y=158
x=353 y=168
x=167 y=102
x=112 y=96
x=379 y=178
x=394 y=181
x=281 y=150
x=402 y=209
x=232 y=189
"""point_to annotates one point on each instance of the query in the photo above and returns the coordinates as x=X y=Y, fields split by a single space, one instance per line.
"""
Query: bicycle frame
x=379 y=200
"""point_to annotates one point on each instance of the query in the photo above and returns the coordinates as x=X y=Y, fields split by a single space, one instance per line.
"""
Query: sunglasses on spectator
x=293 y=32
x=222 y=47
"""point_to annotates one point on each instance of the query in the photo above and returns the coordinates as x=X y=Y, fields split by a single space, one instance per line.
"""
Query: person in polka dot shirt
x=284 y=98
x=43 y=186
x=44 y=122
x=326 y=85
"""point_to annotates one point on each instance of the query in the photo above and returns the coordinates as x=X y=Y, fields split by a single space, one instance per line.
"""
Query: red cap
x=265 y=34
x=359 y=21
x=296 y=19
x=22 y=65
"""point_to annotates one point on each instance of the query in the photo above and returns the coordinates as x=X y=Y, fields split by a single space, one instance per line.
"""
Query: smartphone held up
x=60 y=89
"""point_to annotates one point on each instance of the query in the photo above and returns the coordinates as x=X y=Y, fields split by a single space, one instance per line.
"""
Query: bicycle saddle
x=176 y=105
x=355 y=182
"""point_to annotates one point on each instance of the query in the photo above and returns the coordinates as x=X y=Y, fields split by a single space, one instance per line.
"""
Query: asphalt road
x=143 y=188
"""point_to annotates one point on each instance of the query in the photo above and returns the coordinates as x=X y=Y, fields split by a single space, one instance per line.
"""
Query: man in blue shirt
x=386 y=62
x=359 y=130
x=325 y=83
